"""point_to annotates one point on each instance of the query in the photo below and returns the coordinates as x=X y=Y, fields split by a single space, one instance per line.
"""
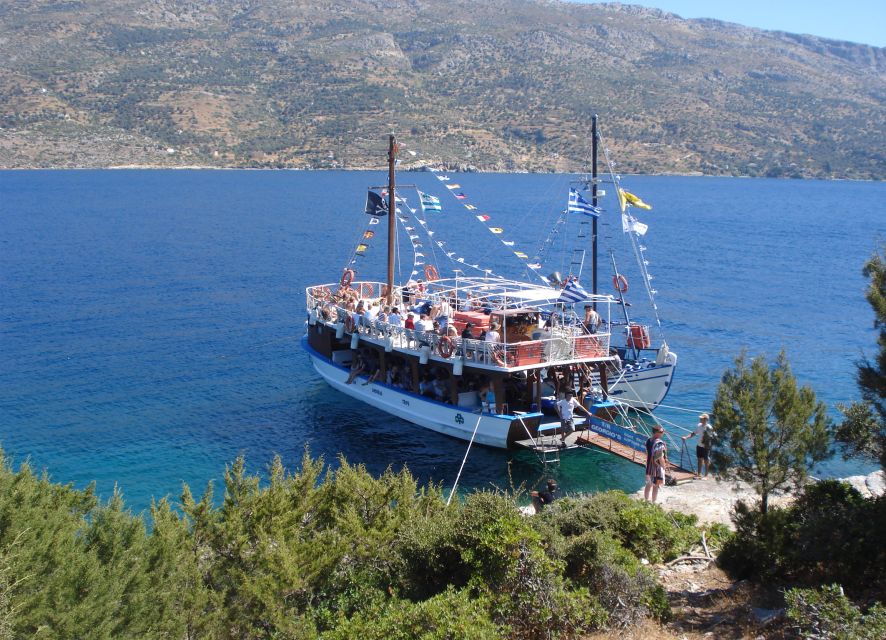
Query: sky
x=853 y=20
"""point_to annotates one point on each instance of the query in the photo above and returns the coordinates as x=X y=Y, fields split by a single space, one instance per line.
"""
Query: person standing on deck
x=656 y=463
x=703 y=449
x=592 y=319
x=566 y=410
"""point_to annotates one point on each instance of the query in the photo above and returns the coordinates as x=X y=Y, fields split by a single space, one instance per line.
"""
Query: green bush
x=828 y=613
x=642 y=528
x=830 y=534
x=451 y=615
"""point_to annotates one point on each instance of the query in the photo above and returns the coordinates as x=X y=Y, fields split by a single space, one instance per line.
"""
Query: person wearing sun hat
x=656 y=463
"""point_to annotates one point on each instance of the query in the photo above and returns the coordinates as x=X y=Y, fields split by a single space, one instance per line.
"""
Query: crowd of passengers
x=433 y=315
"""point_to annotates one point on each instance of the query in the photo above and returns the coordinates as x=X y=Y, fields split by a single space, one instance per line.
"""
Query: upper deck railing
x=560 y=343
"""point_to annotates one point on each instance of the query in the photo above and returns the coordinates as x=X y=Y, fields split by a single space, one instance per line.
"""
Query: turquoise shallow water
x=149 y=320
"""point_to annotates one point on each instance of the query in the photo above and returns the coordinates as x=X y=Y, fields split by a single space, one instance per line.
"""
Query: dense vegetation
x=501 y=85
x=831 y=537
x=325 y=553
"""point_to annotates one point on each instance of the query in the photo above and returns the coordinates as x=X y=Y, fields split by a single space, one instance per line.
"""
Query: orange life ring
x=346 y=278
x=366 y=289
x=503 y=358
x=620 y=283
x=350 y=325
x=445 y=347
x=431 y=273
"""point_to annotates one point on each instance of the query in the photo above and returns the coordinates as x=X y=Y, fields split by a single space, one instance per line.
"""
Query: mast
x=392 y=212
x=594 y=203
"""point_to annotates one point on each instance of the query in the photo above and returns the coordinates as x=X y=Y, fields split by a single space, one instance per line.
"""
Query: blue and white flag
x=573 y=292
x=429 y=202
x=577 y=204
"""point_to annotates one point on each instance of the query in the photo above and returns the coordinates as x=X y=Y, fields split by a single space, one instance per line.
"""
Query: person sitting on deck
x=424 y=323
x=358 y=366
x=395 y=319
x=409 y=323
x=565 y=409
x=492 y=335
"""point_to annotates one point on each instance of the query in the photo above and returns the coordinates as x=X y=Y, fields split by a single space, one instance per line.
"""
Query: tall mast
x=392 y=212
x=594 y=203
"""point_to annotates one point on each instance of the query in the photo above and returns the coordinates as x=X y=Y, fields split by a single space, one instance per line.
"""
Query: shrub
x=642 y=528
x=451 y=615
x=827 y=613
x=830 y=534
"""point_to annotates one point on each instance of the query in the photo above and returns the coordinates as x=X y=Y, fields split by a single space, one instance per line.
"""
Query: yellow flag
x=630 y=198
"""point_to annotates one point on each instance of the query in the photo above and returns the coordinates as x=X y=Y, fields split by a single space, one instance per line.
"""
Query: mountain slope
x=500 y=85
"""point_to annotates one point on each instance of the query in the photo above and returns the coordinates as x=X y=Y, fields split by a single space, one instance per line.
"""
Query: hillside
x=500 y=85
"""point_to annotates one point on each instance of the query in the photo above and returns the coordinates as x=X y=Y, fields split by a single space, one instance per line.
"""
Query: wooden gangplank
x=591 y=438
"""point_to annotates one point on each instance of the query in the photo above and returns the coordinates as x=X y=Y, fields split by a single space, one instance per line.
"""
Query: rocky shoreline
x=712 y=500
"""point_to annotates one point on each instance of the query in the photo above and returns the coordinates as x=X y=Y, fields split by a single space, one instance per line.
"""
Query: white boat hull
x=644 y=385
x=458 y=422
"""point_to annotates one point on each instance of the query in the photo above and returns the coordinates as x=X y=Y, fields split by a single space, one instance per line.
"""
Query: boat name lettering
x=377 y=391
x=406 y=402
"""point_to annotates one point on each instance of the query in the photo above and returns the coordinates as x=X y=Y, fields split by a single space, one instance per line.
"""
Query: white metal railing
x=566 y=343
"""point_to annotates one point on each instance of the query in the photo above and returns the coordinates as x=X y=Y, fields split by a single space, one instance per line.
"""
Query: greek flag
x=573 y=292
x=577 y=204
x=429 y=202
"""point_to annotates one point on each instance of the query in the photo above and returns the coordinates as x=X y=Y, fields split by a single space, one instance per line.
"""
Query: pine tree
x=772 y=431
x=864 y=427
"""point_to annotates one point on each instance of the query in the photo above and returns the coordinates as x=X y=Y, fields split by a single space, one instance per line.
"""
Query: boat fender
x=355 y=340
x=663 y=354
x=346 y=278
x=620 y=283
x=445 y=347
x=424 y=354
x=312 y=319
x=339 y=330
x=431 y=273
x=458 y=367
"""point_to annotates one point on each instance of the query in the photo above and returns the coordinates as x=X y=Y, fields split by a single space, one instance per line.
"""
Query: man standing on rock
x=656 y=463
x=703 y=449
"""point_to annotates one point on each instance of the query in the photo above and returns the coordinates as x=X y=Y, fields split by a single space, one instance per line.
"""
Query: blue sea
x=150 y=320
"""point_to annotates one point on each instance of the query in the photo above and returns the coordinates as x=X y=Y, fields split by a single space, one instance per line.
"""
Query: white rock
x=876 y=483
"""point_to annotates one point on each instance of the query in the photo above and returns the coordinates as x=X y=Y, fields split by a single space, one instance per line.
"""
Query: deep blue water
x=149 y=320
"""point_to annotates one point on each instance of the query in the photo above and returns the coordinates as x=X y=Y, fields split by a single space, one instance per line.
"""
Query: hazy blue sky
x=853 y=20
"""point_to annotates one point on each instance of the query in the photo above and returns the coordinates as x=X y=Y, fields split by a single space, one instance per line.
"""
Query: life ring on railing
x=350 y=325
x=366 y=289
x=446 y=347
x=503 y=357
x=346 y=278
x=431 y=273
x=620 y=283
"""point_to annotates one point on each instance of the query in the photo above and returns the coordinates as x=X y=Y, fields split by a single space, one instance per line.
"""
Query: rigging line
x=465 y=459
x=633 y=236
x=430 y=233
x=510 y=249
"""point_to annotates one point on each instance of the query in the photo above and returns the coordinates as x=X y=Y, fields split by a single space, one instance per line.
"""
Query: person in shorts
x=656 y=463
x=705 y=430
